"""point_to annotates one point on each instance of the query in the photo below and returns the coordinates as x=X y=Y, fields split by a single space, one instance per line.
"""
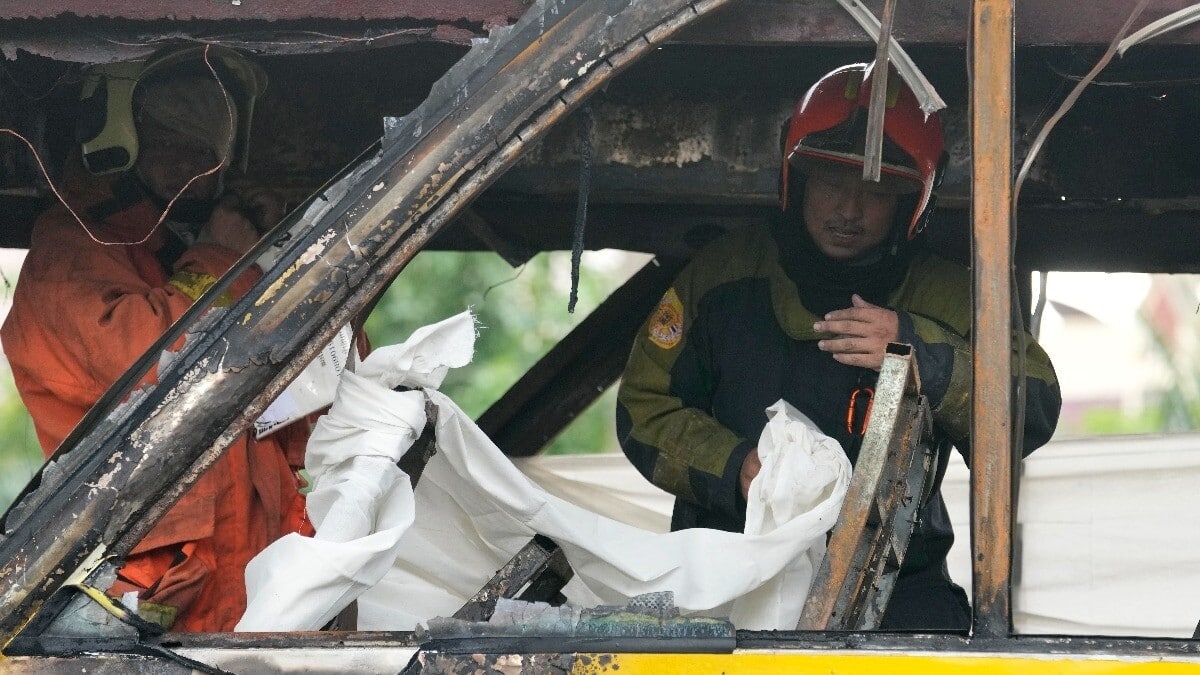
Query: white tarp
x=1108 y=534
x=412 y=557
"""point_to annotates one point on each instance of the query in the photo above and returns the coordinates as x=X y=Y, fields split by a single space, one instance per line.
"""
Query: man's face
x=846 y=216
x=167 y=160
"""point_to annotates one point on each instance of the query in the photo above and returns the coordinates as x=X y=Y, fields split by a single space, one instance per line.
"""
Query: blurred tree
x=20 y=454
x=522 y=314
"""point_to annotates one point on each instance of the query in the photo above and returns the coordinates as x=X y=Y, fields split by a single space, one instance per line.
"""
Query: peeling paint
x=312 y=253
x=486 y=664
x=596 y=664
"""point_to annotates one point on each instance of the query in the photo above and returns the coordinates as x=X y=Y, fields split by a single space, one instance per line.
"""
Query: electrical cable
x=145 y=629
x=30 y=97
x=120 y=611
x=193 y=664
x=244 y=41
x=1034 y=148
x=1018 y=323
x=1035 y=323
x=1184 y=80
x=57 y=193
x=498 y=284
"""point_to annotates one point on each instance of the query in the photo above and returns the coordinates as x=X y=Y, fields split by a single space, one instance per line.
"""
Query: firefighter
x=802 y=310
x=104 y=278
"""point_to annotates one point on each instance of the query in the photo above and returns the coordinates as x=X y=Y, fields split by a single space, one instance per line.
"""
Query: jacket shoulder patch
x=666 y=323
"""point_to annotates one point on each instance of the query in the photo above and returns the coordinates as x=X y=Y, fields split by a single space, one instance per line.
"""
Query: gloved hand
x=262 y=206
x=229 y=227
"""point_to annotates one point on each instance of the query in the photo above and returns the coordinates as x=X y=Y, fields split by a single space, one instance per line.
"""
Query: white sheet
x=1109 y=536
x=473 y=510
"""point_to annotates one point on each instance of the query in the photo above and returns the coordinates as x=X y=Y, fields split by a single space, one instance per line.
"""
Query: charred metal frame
x=751 y=22
x=991 y=111
x=423 y=449
x=275 y=10
x=476 y=122
x=385 y=651
x=535 y=574
x=455 y=149
x=895 y=468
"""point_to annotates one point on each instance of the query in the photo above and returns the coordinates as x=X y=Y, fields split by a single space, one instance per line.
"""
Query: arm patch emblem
x=666 y=323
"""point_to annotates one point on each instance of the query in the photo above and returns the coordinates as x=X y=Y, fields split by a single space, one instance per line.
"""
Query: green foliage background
x=20 y=454
x=522 y=313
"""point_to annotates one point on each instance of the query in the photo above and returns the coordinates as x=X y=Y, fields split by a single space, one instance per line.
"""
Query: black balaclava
x=129 y=189
x=826 y=284
x=190 y=211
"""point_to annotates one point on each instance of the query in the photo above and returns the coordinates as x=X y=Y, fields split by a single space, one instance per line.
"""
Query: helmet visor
x=893 y=179
x=845 y=144
x=194 y=107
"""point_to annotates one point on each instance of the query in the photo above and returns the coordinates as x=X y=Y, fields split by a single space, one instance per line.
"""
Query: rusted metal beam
x=272 y=10
x=535 y=574
x=514 y=252
x=423 y=449
x=1038 y=23
x=126 y=40
x=573 y=374
x=1052 y=238
x=892 y=477
x=991 y=111
x=128 y=469
x=390 y=652
x=873 y=160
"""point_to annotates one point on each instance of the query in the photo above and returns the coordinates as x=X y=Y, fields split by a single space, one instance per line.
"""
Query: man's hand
x=862 y=333
x=750 y=468
x=229 y=228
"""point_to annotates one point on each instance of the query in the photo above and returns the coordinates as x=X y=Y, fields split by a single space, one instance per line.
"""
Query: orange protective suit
x=82 y=313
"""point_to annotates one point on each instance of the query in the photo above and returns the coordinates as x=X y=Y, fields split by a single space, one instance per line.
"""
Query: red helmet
x=829 y=124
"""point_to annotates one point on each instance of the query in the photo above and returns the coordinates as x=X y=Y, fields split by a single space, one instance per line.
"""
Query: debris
x=651 y=615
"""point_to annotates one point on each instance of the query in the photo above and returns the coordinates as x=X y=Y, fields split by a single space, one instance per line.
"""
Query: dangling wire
x=1035 y=147
x=1035 y=323
x=498 y=284
x=146 y=630
x=585 y=186
x=1019 y=391
x=57 y=193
